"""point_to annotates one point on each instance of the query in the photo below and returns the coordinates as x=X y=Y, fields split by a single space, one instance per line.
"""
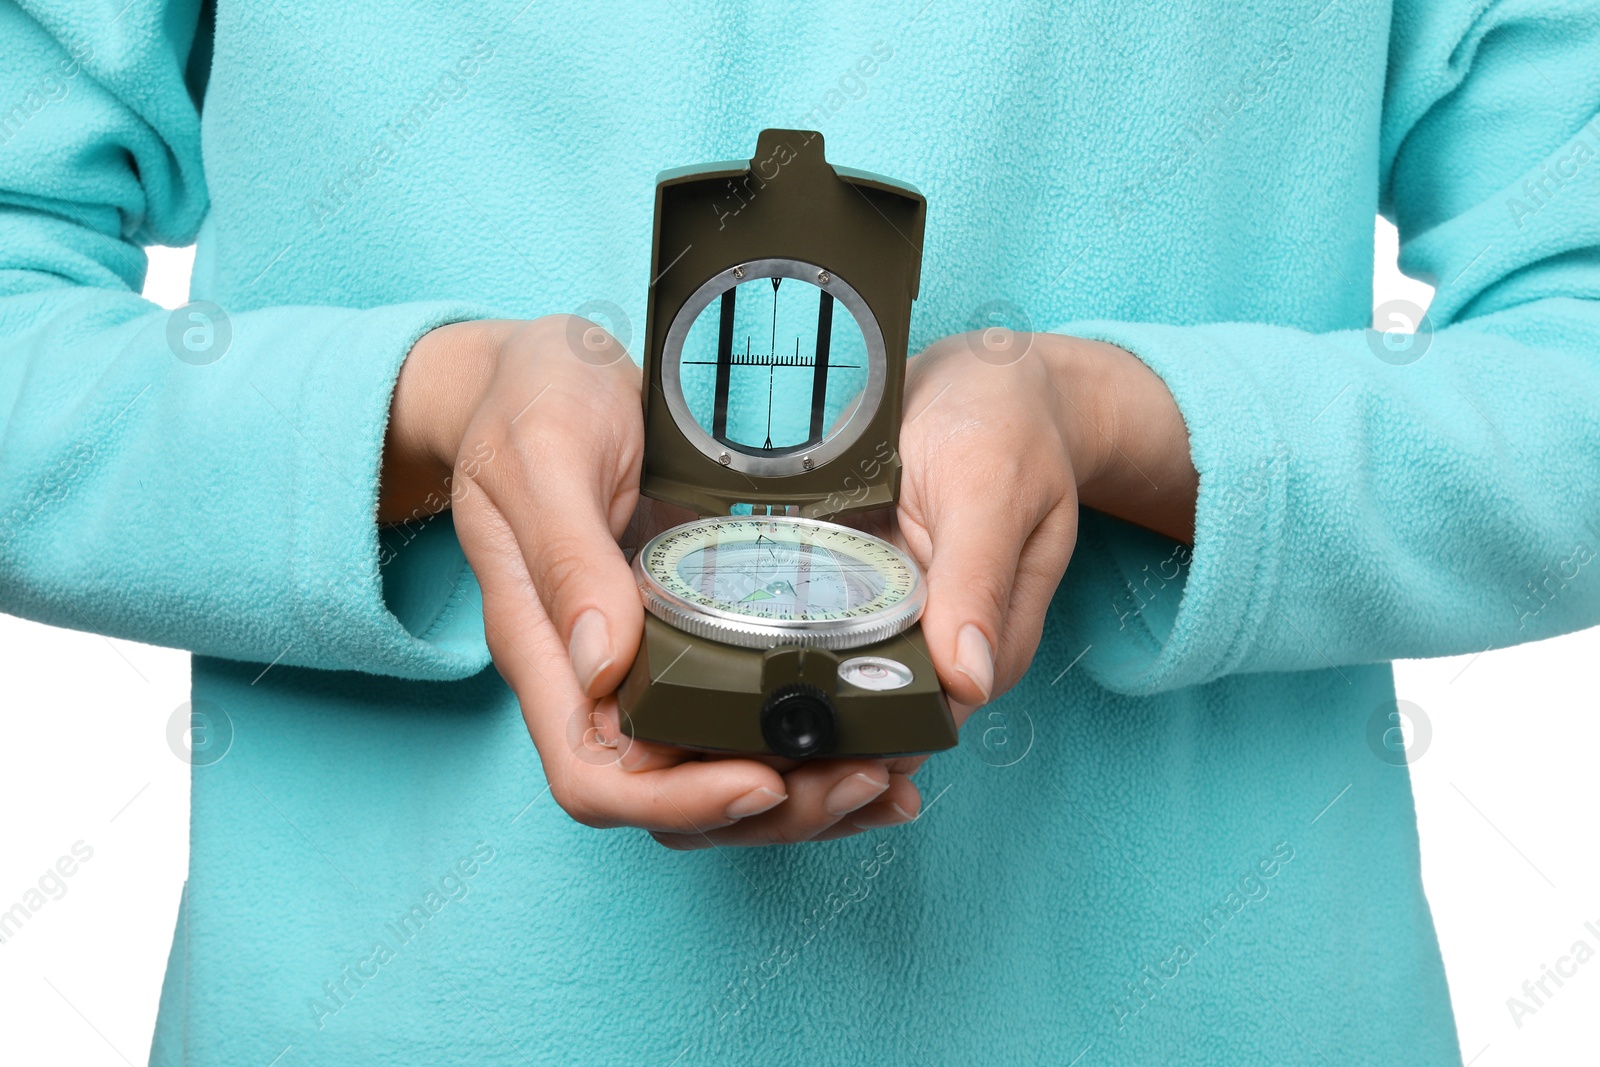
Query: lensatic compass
x=774 y=359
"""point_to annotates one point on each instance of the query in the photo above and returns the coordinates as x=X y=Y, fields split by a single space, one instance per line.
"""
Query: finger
x=664 y=789
x=1040 y=567
x=512 y=627
x=820 y=794
x=649 y=518
x=567 y=498
x=683 y=797
x=901 y=803
x=693 y=797
x=627 y=752
x=976 y=538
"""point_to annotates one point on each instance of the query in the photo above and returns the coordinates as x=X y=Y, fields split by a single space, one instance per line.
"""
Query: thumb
x=579 y=573
x=970 y=575
x=559 y=491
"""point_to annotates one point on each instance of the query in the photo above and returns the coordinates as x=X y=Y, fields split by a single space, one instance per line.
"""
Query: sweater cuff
x=408 y=606
x=1158 y=615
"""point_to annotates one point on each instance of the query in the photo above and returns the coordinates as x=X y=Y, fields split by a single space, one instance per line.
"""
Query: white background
x=1505 y=796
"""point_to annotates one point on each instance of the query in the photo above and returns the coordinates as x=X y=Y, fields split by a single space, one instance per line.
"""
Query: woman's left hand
x=1004 y=433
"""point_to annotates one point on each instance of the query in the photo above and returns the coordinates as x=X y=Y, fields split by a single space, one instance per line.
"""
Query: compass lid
x=776 y=339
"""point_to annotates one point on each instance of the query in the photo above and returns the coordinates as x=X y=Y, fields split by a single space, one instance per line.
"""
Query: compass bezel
x=752 y=631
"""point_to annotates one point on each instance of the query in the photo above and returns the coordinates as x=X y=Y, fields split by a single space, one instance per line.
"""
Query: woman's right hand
x=538 y=428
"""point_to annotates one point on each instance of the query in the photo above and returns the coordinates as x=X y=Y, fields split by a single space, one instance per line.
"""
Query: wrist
x=1126 y=436
x=1081 y=376
x=441 y=383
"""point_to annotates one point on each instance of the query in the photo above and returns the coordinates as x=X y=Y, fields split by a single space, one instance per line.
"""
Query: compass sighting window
x=773 y=366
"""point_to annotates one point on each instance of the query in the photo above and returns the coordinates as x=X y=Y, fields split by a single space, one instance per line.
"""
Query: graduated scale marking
x=727 y=359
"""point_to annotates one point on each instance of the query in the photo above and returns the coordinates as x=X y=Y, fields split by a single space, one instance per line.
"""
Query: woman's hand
x=538 y=427
x=1004 y=434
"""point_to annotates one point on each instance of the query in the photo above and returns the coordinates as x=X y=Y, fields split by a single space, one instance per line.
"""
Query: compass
x=774 y=365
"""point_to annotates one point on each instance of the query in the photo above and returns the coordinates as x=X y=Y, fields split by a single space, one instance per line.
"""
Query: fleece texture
x=1184 y=838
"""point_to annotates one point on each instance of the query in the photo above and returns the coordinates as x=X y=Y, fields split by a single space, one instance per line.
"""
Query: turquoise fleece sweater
x=1181 y=839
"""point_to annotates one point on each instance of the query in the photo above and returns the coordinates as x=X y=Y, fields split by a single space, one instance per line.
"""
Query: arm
x=223 y=506
x=1352 y=510
x=225 y=502
x=1349 y=509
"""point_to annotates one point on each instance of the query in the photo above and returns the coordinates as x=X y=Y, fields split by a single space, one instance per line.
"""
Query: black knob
x=797 y=721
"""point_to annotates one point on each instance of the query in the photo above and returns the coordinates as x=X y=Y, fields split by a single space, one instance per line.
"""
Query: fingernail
x=754 y=803
x=974 y=659
x=590 y=648
x=852 y=793
x=879 y=822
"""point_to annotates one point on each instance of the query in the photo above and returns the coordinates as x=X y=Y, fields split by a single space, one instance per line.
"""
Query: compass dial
x=760 y=582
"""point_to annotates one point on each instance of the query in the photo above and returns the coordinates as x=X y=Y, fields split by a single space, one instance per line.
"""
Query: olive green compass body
x=774 y=364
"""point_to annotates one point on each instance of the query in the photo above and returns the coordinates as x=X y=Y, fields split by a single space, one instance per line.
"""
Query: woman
x=1168 y=840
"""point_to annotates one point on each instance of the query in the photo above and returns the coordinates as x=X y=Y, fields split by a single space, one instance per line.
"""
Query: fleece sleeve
x=1366 y=497
x=185 y=479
